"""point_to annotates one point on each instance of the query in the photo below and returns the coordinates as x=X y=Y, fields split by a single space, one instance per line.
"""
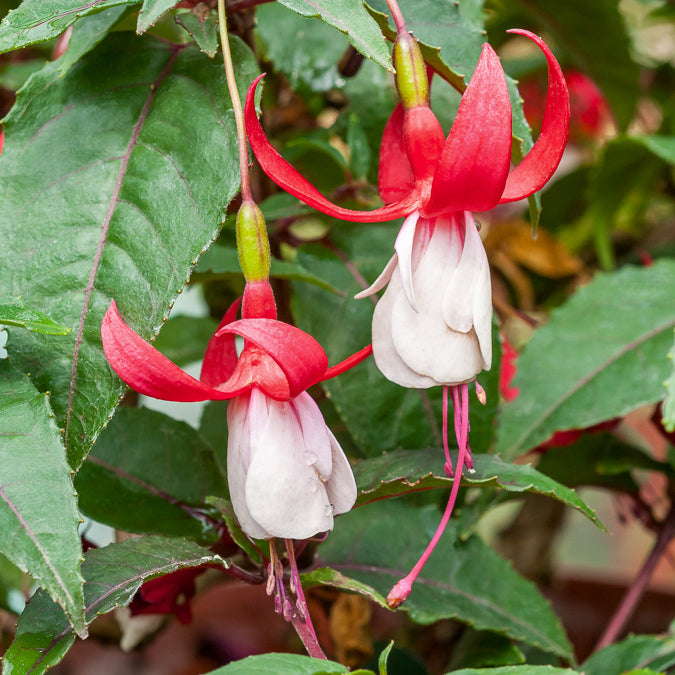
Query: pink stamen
x=448 y=462
x=401 y=590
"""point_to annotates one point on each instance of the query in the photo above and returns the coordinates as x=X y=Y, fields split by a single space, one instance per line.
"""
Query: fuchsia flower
x=433 y=324
x=287 y=474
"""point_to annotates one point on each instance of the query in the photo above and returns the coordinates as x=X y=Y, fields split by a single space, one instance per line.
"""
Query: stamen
x=446 y=449
x=294 y=583
x=480 y=393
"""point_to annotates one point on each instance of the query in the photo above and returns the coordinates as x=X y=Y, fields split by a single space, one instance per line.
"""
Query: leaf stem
x=236 y=104
x=634 y=594
x=397 y=16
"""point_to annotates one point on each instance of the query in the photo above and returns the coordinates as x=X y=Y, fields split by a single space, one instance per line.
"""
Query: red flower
x=433 y=323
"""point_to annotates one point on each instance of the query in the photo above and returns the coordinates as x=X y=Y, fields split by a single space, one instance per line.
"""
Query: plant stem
x=236 y=104
x=634 y=594
x=397 y=16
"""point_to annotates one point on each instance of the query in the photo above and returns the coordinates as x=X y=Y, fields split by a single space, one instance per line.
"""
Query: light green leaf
x=603 y=354
x=39 y=519
x=203 y=26
x=39 y=20
x=402 y=471
x=151 y=11
x=281 y=664
x=350 y=18
x=87 y=33
x=112 y=576
x=148 y=473
x=656 y=652
x=463 y=579
x=661 y=146
x=14 y=313
x=326 y=576
x=516 y=670
x=117 y=176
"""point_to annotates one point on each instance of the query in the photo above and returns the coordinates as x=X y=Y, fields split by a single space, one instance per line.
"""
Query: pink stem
x=397 y=16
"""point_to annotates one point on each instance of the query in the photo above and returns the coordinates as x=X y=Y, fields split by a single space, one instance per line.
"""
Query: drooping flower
x=287 y=474
x=433 y=324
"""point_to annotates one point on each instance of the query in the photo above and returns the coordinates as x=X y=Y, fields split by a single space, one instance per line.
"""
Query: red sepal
x=348 y=363
x=543 y=159
x=288 y=178
x=220 y=358
x=298 y=354
x=395 y=178
x=145 y=369
x=473 y=167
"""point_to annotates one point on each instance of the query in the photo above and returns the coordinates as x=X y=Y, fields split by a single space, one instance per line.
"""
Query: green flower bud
x=253 y=246
x=411 y=73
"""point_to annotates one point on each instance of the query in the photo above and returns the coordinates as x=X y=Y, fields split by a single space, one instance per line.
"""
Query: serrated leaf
x=112 y=576
x=403 y=471
x=464 y=579
x=39 y=20
x=39 y=519
x=601 y=355
x=149 y=473
x=203 y=26
x=110 y=216
x=388 y=416
x=14 y=313
x=656 y=652
x=226 y=510
x=480 y=649
x=604 y=55
x=222 y=262
x=151 y=11
x=87 y=33
x=669 y=402
x=350 y=18
x=281 y=664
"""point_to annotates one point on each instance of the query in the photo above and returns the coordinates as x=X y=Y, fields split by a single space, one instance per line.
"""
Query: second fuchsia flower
x=433 y=324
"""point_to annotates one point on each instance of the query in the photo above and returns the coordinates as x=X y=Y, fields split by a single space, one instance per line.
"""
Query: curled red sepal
x=147 y=370
x=474 y=164
x=288 y=178
x=299 y=355
x=543 y=159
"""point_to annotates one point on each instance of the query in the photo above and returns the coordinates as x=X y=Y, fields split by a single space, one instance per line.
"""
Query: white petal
x=404 y=251
x=284 y=493
x=315 y=433
x=381 y=281
x=341 y=486
x=240 y=413
x=385 y=354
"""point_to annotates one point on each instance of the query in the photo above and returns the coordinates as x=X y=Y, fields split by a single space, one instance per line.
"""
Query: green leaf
x=603 y=354
x=184 y=338
x=112 y=576
x=389 y=416
x=109 y=216
x=350 y=18
x=463 y=579
x=14 y=313
x=222 y=262
x=516 y=670
x=39 y=20
x=281 y=664
x=384 y=656
x=87 y=33
x=662 y=146
x=669 y=403
x=656 y=652
x=226 y=510
x=39 y=519
x=600 y=460
x=403 y=471
x=203 y=26
x=604 y=55
x=151 y=11
x=480 y=649
x=148 y=473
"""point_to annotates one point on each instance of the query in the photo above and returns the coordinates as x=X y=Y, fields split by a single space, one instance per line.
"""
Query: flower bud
x=253 y=245
x=411 y=78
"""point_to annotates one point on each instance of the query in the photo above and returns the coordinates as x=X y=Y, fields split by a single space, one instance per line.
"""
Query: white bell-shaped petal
x=287 y=473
